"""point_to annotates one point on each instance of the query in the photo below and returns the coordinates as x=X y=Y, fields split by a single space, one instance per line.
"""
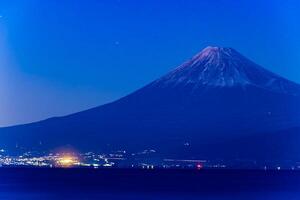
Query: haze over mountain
x=219 y=102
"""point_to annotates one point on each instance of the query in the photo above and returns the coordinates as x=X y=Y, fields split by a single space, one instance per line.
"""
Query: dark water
x=20 y=183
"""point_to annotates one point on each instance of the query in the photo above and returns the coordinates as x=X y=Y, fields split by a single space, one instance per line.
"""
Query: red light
x=199 y=166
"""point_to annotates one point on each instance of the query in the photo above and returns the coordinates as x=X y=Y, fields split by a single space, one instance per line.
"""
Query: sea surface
x=46 y=183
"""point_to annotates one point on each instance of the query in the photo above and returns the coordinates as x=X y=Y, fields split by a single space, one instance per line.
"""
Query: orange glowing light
x=67 y=161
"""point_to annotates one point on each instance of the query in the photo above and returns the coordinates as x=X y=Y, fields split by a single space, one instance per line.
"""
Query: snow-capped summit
x=214 y=54
x=224 y=67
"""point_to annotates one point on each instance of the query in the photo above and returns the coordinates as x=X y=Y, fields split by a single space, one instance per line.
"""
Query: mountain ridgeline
x=219 y=102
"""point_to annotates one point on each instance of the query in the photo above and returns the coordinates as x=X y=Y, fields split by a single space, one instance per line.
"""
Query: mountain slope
x=216 y=101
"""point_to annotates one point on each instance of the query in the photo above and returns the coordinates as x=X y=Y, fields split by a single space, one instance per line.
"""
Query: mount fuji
x=219 y=103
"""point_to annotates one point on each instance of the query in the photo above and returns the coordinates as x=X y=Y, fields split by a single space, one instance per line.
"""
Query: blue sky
x=59 y=57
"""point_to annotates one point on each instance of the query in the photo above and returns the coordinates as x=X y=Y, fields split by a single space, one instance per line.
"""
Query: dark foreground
x=22 y=183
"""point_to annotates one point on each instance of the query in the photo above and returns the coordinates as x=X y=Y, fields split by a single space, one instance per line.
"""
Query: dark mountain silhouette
x=219 y=102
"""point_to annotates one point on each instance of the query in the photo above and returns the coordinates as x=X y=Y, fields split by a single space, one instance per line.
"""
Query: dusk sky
x=58 y=57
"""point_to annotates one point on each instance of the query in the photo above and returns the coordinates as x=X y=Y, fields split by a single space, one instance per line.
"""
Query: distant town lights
x=67 y=161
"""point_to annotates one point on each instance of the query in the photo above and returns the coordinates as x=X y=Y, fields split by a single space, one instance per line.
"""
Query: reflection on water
x=138 y=184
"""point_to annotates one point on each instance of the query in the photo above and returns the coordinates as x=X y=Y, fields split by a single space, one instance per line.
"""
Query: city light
x=67 y=161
